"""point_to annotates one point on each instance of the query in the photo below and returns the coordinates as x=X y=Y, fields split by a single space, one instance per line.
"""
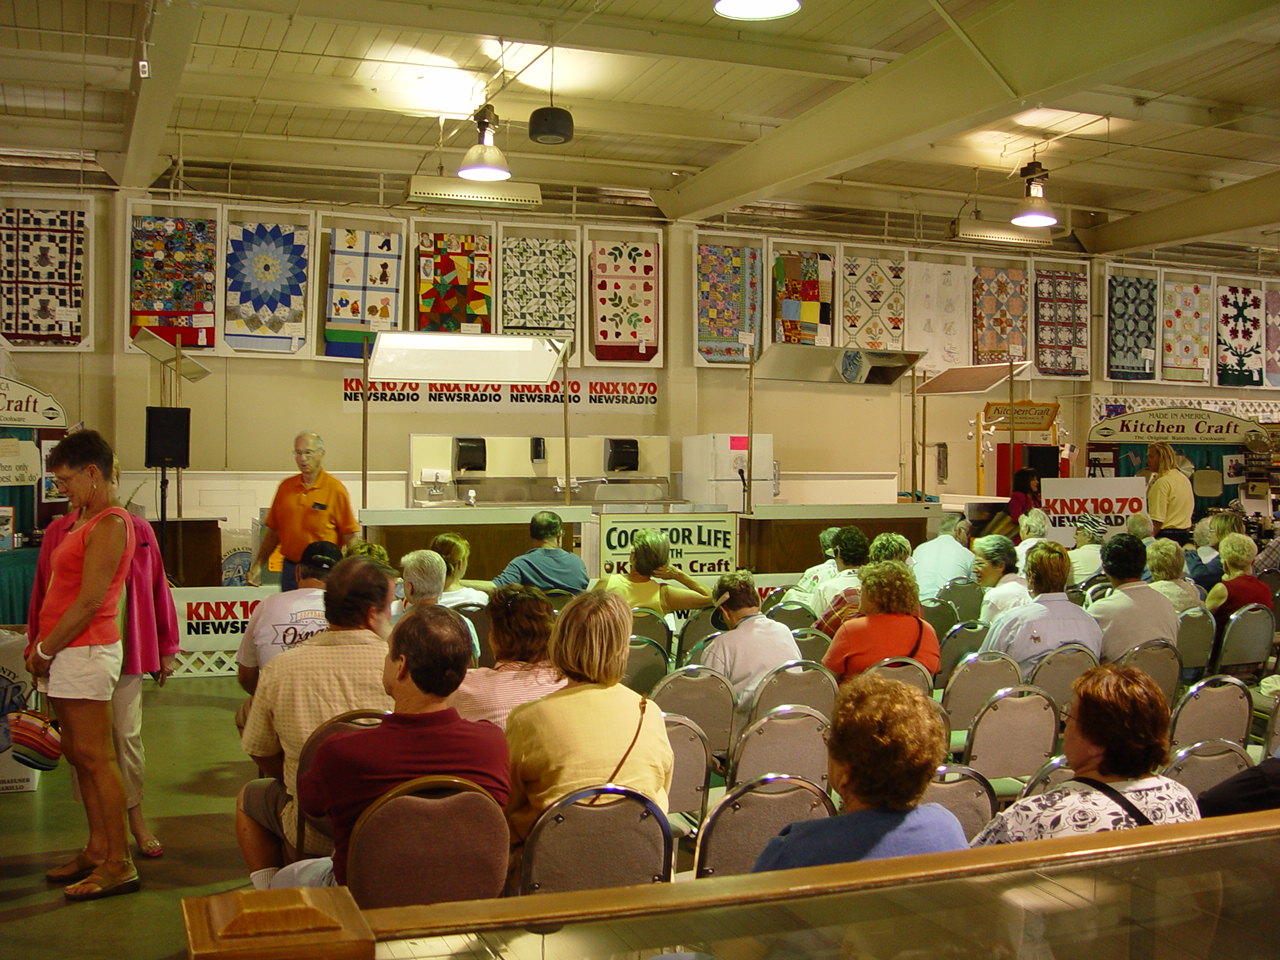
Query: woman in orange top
x=77 y=656
x=887 y=625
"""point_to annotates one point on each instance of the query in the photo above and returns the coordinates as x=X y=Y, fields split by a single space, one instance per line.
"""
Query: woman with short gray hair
x=995 y=566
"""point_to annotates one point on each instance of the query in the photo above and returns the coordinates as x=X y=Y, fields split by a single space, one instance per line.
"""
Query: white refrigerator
x=715 y=468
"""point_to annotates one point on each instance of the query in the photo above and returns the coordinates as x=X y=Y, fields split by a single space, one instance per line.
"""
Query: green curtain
x=1208 y=455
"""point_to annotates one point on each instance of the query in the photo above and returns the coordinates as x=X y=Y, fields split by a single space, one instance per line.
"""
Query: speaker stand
x=164 y=515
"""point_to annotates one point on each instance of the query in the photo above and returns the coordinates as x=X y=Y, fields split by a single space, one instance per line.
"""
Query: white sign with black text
x=1114 y=499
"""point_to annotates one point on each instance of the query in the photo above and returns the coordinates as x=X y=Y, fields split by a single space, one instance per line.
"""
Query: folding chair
x=1216 y=708
x=774 y=597
x=702 y=695
x=785 y=740
x=351 y=720
x=1272 y=579
x=965 y=594
x=940 y=614
x=579 y=843
x=696 y=628
x=796 y=681
x=812 y=644
x=1054 y=772
x=478 y=615
x=1097 y=592
x=1159 y=659
x=971 y=685
x=909 y=671
x=960 y=641
x=690 y=772
x=1196 y=629
x=652 y=624
x=1246 y=642
x=966 y=793
x=1058 y=669
x=559 y=597
x=795 y=615
x=1270 y=731
x=646 y=665
x=1206 y=764
x=1015 y=732
x=749 y=816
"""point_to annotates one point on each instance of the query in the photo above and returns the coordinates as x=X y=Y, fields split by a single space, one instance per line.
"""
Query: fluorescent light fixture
x=465 y=357
x=484 y=161
x=1034 y=210
x=756 y=9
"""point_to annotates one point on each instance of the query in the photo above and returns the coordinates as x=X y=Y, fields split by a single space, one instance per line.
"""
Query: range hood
x=810 y=364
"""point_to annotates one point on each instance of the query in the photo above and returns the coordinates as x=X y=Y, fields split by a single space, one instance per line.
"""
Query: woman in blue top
x=883 y=746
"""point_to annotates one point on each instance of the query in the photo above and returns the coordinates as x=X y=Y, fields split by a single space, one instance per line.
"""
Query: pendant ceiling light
x=756 y=9
x=551 y=124
x=484 y=161
x=1034 y=210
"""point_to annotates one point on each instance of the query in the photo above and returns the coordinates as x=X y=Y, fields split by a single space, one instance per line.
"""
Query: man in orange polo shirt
x=307 y=508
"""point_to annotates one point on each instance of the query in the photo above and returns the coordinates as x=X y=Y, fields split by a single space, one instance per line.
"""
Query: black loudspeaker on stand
x=168 y=445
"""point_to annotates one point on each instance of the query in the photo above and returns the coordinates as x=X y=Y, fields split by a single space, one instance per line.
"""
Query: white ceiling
x=864 y=116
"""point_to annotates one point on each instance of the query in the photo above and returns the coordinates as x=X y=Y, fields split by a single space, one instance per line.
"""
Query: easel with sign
x=1027 y=416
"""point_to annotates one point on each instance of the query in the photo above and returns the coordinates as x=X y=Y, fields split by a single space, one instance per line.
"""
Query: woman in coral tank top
x=77 y=656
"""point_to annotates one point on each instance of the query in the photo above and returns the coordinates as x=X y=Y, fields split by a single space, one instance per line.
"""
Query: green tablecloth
x=17 y=576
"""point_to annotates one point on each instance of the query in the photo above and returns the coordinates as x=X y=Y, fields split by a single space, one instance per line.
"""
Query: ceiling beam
x=1041 y=50
x=1241 y=206
x=1148 y=105
x=63 y=70
x=151 y=100
x=522 y=23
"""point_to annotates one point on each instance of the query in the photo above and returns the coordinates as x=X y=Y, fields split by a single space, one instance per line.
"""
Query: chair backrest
x=966 y=793
x=646 y=665
x=1055 y=771
x=703 y=696
x=1015 y=732
x=785 y=740
x=581 y=843
x=813 y=644
x=774 y=597
x=909 y=671
x=697 y=627
x=1097 y=592
x=692 y=768
x=794 y=615
x=429 y=840
x=940 y=614
x=1216 y=708
x=1159 y=659
x=1076 y=595
x=343 y=722
x=796 y=681
x=1271 y=738
x=695 y=654
x=478 y=614
x=1247 y=640
x=1206 y=764
x=957 y=643
x=1272 y=579
x=1058 y=669
x=559 y=597
x=749 y=816
x=966 y=594
x=974 y=681
x=1196 y=628
x=652 y=624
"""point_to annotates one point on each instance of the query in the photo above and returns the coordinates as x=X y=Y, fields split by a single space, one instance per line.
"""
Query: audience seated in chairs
x=836 y=599
x=995 y=566
x=1086 y=558
x=424 y=663
x=1238 y=586
x=802 y=592
x=1133 y=612
x=1204 y=561
x=1117 y=733
x=519 y=627
x=332 y=672
x=456 y=551
x=945 y=557
x=1031 y=631
x=650 y=553
x=594 y=730
x=754 y=644
x=888 y=625
x=884 y=744
x=1168 y=567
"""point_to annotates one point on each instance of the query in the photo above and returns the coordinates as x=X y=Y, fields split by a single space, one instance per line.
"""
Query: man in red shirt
x=427 y=658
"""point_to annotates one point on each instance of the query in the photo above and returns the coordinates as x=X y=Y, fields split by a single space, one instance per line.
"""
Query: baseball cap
x=321 y=555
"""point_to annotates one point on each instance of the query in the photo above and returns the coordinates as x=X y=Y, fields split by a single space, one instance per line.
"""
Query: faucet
x=435 y=490
x=575 y=483
x=471 y=498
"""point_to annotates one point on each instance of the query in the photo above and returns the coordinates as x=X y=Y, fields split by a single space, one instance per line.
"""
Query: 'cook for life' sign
x=1114 y=499
x=588 y=394
x=702 y=544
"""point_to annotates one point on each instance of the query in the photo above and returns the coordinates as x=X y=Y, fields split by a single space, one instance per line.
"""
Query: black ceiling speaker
x=551 y=125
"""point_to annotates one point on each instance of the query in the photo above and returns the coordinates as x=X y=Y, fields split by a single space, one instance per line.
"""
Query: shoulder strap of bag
x=919 y=637
x=1118 y=798
x=644 y=702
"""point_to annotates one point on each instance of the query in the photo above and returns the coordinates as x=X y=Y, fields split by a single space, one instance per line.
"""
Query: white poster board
x=214 y=618
x=702 y=544
x=1114 y=499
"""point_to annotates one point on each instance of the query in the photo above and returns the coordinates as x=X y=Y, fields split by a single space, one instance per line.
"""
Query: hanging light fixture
x=1034 y=210
x=551 y=124
x=756 y=9
x=484 y=161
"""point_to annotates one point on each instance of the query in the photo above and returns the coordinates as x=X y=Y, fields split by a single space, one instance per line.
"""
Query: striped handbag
x=37 y=742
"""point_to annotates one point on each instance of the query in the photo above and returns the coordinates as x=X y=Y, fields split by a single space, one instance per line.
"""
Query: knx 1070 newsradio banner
x=588 y=393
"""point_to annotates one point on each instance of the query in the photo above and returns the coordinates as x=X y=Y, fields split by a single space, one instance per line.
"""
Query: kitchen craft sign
x=702 y=544
x=1176 y=425
x=1114 y=499
x=22 y=405
x=588 y=394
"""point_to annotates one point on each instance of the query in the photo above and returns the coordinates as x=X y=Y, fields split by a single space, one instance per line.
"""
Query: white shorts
x=84 y=673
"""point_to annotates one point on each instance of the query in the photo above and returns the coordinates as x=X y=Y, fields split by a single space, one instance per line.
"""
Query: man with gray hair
x=753 y=645
x=308 y=507
x=1139 y=525
x=943 y=558
x=423 y=573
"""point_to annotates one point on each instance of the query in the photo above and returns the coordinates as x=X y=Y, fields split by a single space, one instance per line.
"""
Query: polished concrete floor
x=194 y=769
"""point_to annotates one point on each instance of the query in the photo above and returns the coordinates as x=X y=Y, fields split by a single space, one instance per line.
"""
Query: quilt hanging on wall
x=1131 y=328
x=174 y=281
x=364 y=289
x=624 y=301
x=730 y=280
x=539 y=285
x=266 y=306
x=455 y=282
x=999 y=314
x=42 y=276
x=875 y=302
x=1186 y=332
x=1062 y=323
x=802 y=298
x=939 y=305
x=1240 y=337
x=1272 y=308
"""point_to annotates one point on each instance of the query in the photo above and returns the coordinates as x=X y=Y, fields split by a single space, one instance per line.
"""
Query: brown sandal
x=107 y=884
x=74 y=870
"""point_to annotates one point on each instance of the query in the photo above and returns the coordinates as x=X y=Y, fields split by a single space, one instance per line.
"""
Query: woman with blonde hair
x=1168 y=567
x=1169 y=497
x=592 y=731
x=649 y=563
x=1238 y=586
x=886 y=626
x=456 y=551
